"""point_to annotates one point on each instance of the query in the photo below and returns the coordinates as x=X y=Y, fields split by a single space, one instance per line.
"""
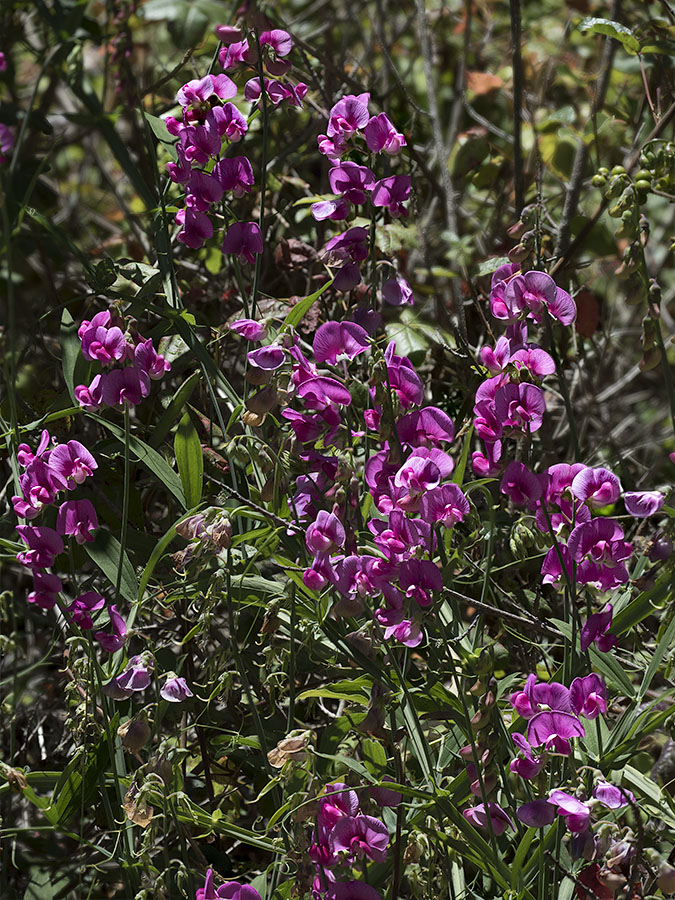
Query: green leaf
x=158 y=552
x=70 y=350
x=611 y=29
x=488 y=266
x=149 y=458
x=190 y=460
x=170 y=414
x=105 y=551
x=300 y=310
x=662 y=648
x=77 y=783
x=356 y=691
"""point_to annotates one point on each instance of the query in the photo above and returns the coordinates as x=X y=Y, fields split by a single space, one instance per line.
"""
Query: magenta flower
x=72 y=463
x=446 y=504
x=236 y=53
x=25 y=455
x=77 y=518
x=148 y=360
x=202 y=142
x=235 y=175
x=39 y=486
x=521 y=485
x=249 y=329
x=326 y=533
x=45 y=588
x=335 y=341
x=426 y=427
x=540 y=695
x=136 y=676
x=231 y=890
x=380 y=135
x=551 y=568
x=335 y=210
x=533 y=360
x=611 y=796
x=268 y=358
x=392 y=192
x=175 y=689
x=533 y=292
x=7 y=140
x=599 y=548
x=227 y=34
x=528 y=765
x=321 y=391
x=359 y=836
x=352 y=890
x=536 y=813
x=598 y=487
x=279 y=44
x=499 y=819
x=397 y=292
x=202 y=191
x=114 y=640
x=348 y=116
x=90 y=398
x=350 y=245
x=588 y=696
x=228 y=122
x=83 y=606
x=102 y=344
x=576 y=813
x=596 y=630
x=419 y=578
x=194 y=96
x=642 y=504
x=520 y=407
x=496 y=359
x=352 y=181
x=243 y=239
x=554 y=730
x=44 y=545
x=120 y=386
x=197 y=227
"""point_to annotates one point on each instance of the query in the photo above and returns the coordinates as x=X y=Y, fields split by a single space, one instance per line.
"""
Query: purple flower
x=588 y=696
x=352 y=890
x=611 y=796
x=237 y=53
x=101 y=344
x=384 y=796
x=249 y=329
x=73 y=463
x=446 y=504
x=350 y=245
x=600 y=550
x=197 y=227
x=392 y=192
x=554 y=730
x=243 y=239
x=148 y=360
x=596 y=630
x=175 y=689
x=111 y=642
x=397 y=292
x=521 y=485
x=268 y=358
x=426 y=427
x=335 y=341
x=598 y=487
x=227 y=34
x=235 y=175
x=45 y=588
x=320 y=392
x=352 y=181
x=44 y=545
x=120 y=386
x=533 y=359
x=348 y=116
x=520 y=407
x=533 y=292
x=195 y=95
x=83 y=606
x=540 y=695
x=90 y=398
x=551 y=568
x=202 y=191
x=279 y=44
x=7 y=140
x=135 y=677
x=77 y=518
x=528 y=765
x=229 y=123
x=536 y=813
x=419 y=578
x=325 y=534
x=335 y=210
x=25 y=455
x=576 y=813
x=359 y=836
x=642 y=504
x=380 y=135
x=499 y=819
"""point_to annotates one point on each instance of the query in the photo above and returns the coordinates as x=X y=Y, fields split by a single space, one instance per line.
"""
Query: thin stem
x=517 y=67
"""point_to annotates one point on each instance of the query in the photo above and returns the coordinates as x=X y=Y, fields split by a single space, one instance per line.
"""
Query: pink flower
x=73 y=463
x=533 y=292
x=536 y=813
x=231 y=890
x=588 y=696
x=596 y=630
x=77 y=518
x=279 y=44
x=326 y=533
x=135 y=677
x=335 y=341
x=397 y=292
x=243 y=239
x=599 y=548
x=268 y=358
x=359 y=836
x=229 y=122
x=249 y=329
x=392 y=192
x=576 y=813
x=352 y=181
x=521 y=485
x=380 y=135
x=83 y=606
x=236 y=53
x=45 y=588
x=446 y=504
x=520 y=407
x=498 y=818
x=175 y=689
x=44 y=545
x=120 y=386
x=194 y=96
x=611 y=796
x=528 y=765
x=598 y=487
x=426 y=427
x=111 y=642
x=348 y=116
x=642 y=504
x=553 y=730
x=335 y=210
x=235 y=175
x=197 y=227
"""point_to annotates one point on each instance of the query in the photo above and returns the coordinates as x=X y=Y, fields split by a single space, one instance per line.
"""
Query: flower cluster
x=342 y=837
x=129 y=361
x=230 y=890
x=137 y=676
x=352 y=184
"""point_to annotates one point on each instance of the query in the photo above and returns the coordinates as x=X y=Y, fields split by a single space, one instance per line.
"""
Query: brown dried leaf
x=483 y=82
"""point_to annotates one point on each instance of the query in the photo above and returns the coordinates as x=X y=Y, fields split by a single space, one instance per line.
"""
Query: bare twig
x=517 y=67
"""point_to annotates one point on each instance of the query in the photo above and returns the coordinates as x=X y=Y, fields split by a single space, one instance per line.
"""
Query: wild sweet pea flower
x=268 y=358
x=521 y=485
x=276 y=44
x=520 y=407
x=642 y=504
x=337 y=341
x=326 y=533
x=426 y=427
x=45 y=588
x=419 y=578
x=499 y=819
x=588 y=696
x=576 y=812
x=228 y=123
x=122 y=386
x=235 y=175
x=197 y=227
x=406 y=631
x=83 y=606
x=551 y=568
x=44 y=545
x=611 y=796
x=446 y=504
x=533 y=360
x=335 y=210
x=534 y=292
x=136 y=676
x=175 y=689
x=7 y=141
x=238 y=53
x=399 y=535
x=540 y=695
x=600 y=550
x=78 y=519
x=352 y=181
x=352 y=890
x=112 y=641
x=397 y=292
x=202 y=190
x=39 y=486
x=25 y=455
x=73 y=463
x=349 y=115
x=528 y=765
x=381 y=135
x=249 y=329
x=536 y=813
x=595 y=630
x=231 y=890
x=392 y=192
x=553 y=730
x=598 y=487
x=148 y=360
x=351 y=245
x=359 y=836
x=321 y=392
x=195 y=97
x=103 y=344
x=243 y=239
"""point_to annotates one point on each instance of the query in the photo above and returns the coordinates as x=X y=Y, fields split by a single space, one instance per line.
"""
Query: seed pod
x=135 y=733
